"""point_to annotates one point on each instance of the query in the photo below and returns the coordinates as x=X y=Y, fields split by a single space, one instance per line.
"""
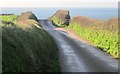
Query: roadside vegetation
x=104 y=40
x=102 y=33
x=26 y=47
x=8 y=18
x=57 y=22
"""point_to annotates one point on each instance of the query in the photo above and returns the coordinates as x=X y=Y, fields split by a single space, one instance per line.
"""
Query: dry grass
x=96 y=24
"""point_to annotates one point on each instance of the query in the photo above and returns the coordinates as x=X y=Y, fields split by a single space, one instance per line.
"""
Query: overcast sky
x=58 y=3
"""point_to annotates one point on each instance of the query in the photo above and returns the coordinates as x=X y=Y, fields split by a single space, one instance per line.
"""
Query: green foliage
x=28 y=50
x=8 y=18
x=106 y=40
x=57 y=22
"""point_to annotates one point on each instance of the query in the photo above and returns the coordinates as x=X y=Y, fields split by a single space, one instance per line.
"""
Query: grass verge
x=27 y=49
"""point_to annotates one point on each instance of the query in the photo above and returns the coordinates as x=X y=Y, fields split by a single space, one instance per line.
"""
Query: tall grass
x=28 y=49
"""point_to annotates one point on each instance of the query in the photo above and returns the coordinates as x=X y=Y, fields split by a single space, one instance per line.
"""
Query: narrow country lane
x=76 y=56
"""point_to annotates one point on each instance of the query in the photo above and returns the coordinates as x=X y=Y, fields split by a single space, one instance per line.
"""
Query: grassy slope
x=106 y=41
x=104 y=34
x=8 y=18
x=28 y=49
x=57 y=22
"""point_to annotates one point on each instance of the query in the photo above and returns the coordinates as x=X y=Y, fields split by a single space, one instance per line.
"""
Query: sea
x=43 y=13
